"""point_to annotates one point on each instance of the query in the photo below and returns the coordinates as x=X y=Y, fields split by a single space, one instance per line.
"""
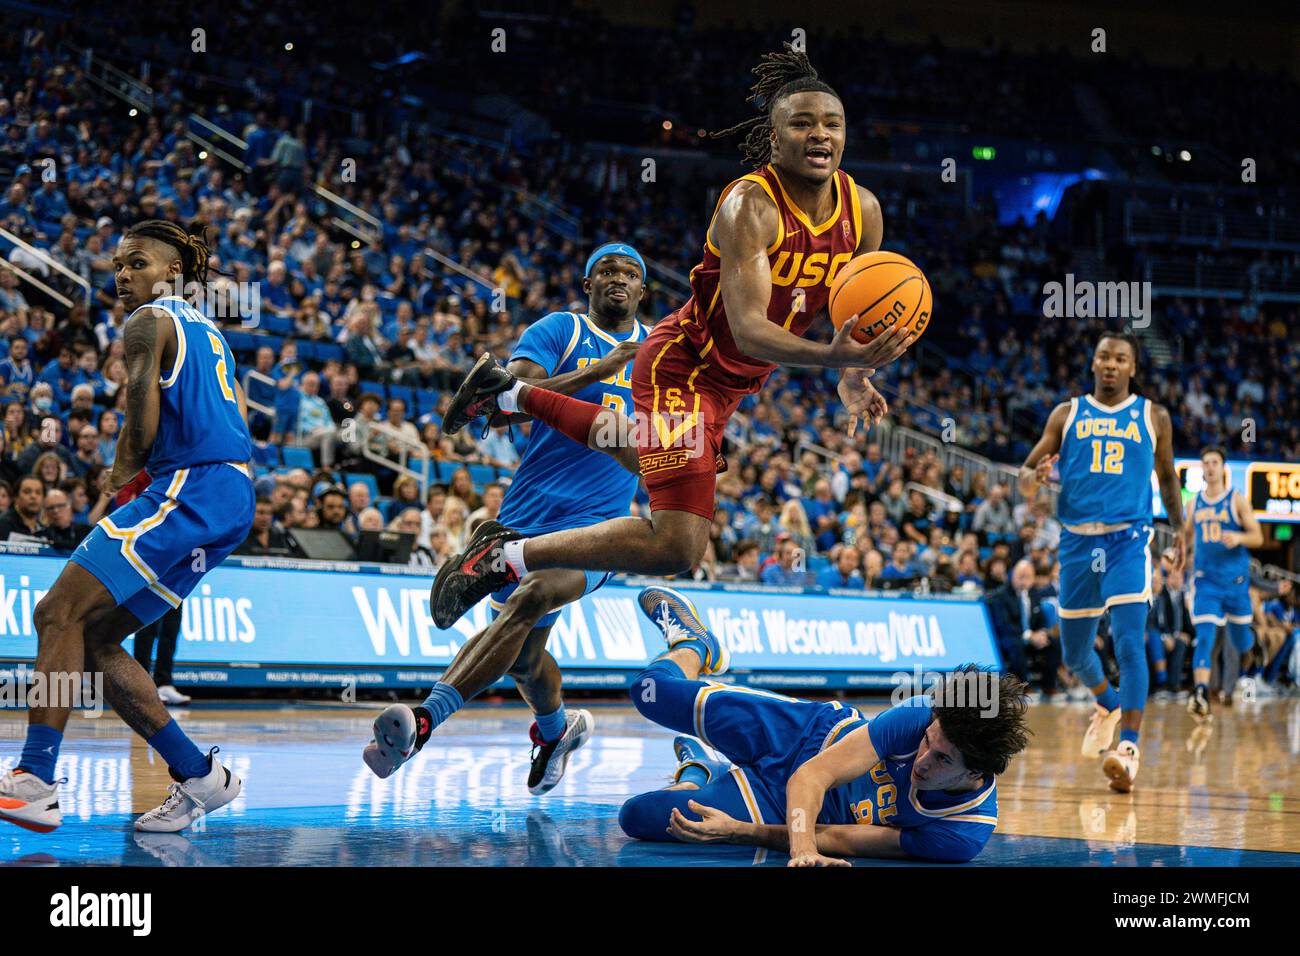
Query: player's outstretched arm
x=845 y=760
x=144 y=339
x=1037 y=469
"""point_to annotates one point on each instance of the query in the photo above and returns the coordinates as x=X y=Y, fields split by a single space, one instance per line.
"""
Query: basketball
x=885 y=288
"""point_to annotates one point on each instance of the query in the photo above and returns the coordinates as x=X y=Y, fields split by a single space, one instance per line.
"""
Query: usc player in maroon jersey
x=776 y=240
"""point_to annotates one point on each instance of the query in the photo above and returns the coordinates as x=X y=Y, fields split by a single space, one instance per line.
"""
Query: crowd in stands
x=348 y=349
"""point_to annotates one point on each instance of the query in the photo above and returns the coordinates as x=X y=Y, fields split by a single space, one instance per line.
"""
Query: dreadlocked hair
x=191 y=248
x=779 y=75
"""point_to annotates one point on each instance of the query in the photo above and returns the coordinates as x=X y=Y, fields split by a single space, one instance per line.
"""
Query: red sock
x=571 y=417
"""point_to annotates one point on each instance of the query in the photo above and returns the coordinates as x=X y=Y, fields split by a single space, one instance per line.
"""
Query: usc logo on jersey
x=798 y=269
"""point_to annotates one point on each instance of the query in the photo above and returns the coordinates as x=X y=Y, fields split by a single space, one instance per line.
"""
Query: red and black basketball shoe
x=472 y=575
x=477 y=395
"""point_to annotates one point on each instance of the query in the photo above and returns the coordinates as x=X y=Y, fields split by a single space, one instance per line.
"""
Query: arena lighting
x=132 y=112
x=1155 y=150
x=983 y=152
x=203 y=154
x=288 y=46
x=668 y=124
x=1184 y=155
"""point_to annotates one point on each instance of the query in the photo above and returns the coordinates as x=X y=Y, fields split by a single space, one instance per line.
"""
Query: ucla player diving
x=558 y=485
x=1220 y=528
x=818 y=780
x=185 y=424
x=1105 y=446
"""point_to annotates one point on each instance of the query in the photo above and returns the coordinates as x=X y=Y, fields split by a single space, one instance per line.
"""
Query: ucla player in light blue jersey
x=1105 y=446
x=1220 y=529
x=185 y=424
x=558 y=485
x=918 y=781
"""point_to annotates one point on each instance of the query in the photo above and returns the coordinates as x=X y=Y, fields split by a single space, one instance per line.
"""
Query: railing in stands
x=408 y=451
x=140 y=95
x=255 y=375
x=49 y=261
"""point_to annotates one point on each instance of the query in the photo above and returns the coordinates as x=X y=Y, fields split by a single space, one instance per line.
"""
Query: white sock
x=514 y=555
x=508 y=401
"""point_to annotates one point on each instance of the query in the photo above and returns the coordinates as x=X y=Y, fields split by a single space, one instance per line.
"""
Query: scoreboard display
x=1271 y=487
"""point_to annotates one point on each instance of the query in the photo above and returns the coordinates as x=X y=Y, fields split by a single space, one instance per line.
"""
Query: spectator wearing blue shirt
x=62 y=375
x=257 y=389
x=900 y=566
x=845 y=570
x=16 y=373
x=315 y=427
x=787 y=569
x=823 y=515
x=49 y=204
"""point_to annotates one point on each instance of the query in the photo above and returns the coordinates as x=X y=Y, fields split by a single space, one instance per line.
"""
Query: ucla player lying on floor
x=917 y=781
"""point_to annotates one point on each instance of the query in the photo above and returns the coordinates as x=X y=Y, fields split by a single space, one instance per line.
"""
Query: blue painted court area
x=309 y=801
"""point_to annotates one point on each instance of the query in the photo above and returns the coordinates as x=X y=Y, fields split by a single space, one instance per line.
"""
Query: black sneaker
x=472 y=575
x=551 y=757
x=1198 y=705
x=477 y=395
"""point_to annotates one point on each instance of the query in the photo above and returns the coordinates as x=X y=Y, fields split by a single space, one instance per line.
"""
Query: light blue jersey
x=1221 y=575
x=1107 y=456
x=1216 y=563
x=201 y=501
x=560 y=484
x=199 y=421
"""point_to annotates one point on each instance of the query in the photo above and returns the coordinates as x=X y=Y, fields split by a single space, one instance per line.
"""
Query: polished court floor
x=1229 y=796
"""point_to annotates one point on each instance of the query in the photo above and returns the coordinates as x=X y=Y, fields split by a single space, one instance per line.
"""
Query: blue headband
x=615 y=249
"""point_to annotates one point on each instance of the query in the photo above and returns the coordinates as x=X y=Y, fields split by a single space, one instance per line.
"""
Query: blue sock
x=41 y=751
x=694 y=643
x=443 y=701
x=1162 y=678
x=551 y=726
x=179 y=751
x=1130 y=735
x=694 y=774
x=1109 y=698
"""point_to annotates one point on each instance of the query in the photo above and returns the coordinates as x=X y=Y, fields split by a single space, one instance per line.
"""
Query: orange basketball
x=885 y=289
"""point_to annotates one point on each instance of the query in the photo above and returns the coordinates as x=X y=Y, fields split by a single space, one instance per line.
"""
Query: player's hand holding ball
x=881 y=302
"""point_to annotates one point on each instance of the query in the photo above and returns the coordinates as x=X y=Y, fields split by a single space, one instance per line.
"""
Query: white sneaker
x=1121 y=766
x=396 y=731
x=1078 y=693
x=550 y=759
x=1101 y=731
x=170 y=696
x=194 y=798
x=30 y=802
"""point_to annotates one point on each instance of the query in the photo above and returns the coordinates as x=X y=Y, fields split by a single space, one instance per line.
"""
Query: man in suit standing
x=1169 y=630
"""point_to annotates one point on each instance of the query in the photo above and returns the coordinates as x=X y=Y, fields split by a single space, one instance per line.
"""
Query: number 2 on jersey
x=224 y=375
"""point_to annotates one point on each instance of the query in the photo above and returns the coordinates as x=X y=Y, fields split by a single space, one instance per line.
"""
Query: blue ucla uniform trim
x=199 y=421
x=151 y=552
x=1221 y=576
x=769 y=736
x=1107 y=457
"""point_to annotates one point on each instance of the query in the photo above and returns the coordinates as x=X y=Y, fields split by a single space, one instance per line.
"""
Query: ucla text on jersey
x=1106 y=459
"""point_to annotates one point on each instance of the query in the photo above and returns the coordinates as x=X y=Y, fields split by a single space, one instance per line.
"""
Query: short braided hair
x=192 y=249
x=779 y=75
